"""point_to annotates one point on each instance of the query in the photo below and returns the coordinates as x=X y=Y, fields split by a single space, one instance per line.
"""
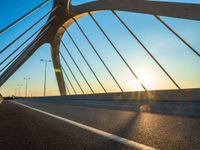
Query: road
x=86 y=124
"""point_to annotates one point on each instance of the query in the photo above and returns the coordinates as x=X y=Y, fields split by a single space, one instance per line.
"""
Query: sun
x=147 y=78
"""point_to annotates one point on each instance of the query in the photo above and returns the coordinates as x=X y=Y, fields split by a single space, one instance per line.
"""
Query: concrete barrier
x=162 y=95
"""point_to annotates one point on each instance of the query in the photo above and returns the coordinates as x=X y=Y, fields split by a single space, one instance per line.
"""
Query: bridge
x=127 y=76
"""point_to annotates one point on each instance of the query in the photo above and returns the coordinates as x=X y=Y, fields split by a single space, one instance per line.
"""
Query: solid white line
x=93 y=130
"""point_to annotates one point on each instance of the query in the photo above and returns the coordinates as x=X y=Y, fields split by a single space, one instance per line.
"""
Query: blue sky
x=177 y=59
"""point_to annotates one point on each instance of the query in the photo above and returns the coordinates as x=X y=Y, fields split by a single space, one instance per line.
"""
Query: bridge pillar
x=55 y=46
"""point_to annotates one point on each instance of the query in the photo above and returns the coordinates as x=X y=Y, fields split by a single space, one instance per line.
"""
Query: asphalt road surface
x=81 y=124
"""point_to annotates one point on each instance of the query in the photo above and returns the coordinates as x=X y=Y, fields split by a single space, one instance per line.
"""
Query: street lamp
x=19 y=87
x=45 y=70
x=25 y=78
x=15 y=94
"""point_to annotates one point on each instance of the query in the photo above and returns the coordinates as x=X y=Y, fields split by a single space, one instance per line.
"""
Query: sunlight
x=146 y=77
x=132 y=84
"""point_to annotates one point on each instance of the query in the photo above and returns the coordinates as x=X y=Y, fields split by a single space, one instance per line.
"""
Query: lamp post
x=15 y=94
x=45 y=73
x=25 y=78
x=19 y=87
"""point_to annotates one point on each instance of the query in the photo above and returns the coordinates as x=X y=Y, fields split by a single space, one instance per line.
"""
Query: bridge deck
x=23 y=128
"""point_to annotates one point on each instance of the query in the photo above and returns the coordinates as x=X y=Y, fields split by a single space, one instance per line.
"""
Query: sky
x=180 y=62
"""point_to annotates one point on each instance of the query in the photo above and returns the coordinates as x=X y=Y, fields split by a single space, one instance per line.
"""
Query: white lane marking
x=1 y=101
x=93 y=130
x=110 y=105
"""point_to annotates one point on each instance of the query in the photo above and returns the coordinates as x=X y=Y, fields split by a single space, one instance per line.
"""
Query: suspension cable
x=117 y=50
x=82 y=55
x=94 y=49
x=14 y=59
x=67 y=89
x=24 y=52
x=176 y=34
x=3 y=91
x=26 y=41
x=69 y=80
x=144 y=47
x=26 y=48
x=71 y=72
x=65 y=47
x=21 y=18
x=99 y=80
x=27 y=30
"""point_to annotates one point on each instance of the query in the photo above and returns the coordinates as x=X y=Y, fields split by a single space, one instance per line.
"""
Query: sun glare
x=132 y=84
x=146 y=77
